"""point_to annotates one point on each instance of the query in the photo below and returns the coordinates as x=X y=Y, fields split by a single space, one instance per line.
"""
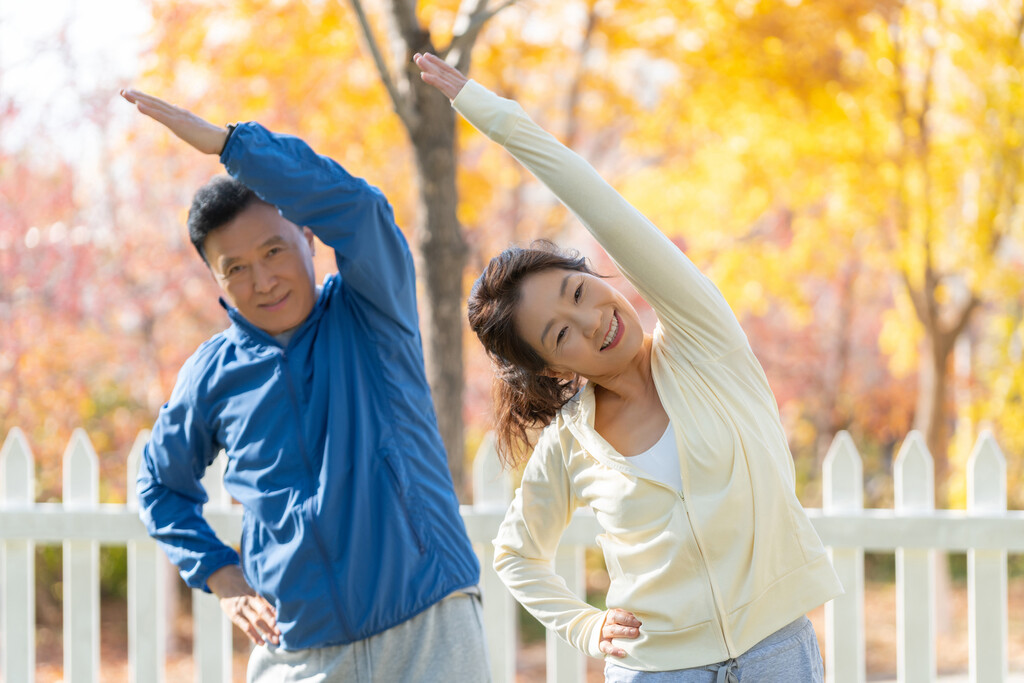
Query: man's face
x=264 y=265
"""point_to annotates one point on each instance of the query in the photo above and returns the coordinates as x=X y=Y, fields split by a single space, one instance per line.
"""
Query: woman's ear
x=557 y=374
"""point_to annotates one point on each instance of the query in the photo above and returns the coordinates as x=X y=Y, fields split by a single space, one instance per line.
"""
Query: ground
x=880 y=626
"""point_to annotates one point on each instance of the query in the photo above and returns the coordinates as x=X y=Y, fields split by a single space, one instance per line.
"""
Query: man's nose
x=264 y=278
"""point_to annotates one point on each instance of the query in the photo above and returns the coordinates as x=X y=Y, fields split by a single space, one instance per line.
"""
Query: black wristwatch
x=231 y=129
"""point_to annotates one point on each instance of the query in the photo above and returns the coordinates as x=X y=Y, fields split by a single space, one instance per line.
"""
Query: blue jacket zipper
x=307 y=513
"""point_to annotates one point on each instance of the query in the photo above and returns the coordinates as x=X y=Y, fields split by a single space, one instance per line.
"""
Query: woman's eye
x=561 y=335
x=579 y=293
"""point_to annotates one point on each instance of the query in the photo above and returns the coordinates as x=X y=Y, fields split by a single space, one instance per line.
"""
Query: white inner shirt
x=661 y=461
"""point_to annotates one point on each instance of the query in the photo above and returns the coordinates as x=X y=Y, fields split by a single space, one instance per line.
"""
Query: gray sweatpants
x=790 y=654
x=443 y=643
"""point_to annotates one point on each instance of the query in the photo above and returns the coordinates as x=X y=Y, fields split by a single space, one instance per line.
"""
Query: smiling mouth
x=275 y=304
x=614 y=332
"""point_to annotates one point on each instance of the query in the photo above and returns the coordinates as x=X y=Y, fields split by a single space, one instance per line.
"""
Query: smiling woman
x=527 y=391
x=674 y=441
x=575 y=321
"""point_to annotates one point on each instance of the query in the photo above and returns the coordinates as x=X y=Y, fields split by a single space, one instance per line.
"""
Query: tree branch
x=469 y=21
x=918 y=300
x=576 y=87
x=922 y=149
x=401 y=103
x=902 y=222
x=963 y=318
x=413 y=36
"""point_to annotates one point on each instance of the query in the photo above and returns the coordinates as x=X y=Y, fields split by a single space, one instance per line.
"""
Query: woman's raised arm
x=689 y=305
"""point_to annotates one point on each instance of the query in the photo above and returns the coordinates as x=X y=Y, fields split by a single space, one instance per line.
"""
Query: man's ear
x=557 y=374
x=308 y=234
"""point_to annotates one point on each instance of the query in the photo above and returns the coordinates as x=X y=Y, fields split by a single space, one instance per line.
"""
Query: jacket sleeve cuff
x=230 y=141
x=231 y=129
x=208 y=567
x=591 y=645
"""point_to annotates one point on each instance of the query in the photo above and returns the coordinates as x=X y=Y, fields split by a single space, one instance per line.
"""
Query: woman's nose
x=591 y=323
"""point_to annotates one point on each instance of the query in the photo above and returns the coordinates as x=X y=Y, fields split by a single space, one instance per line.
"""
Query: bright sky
x=56 y=53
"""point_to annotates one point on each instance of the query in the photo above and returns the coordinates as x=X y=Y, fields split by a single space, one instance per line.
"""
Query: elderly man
x=355 y=564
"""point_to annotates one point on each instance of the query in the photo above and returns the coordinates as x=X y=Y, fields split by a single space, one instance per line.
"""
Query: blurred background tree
x=847 y=172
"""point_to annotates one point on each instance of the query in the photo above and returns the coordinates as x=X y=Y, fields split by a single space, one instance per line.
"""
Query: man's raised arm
x=345 y=212
x=198 y=132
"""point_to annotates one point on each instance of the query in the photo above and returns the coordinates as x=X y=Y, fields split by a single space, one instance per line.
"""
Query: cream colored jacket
x=709 y=572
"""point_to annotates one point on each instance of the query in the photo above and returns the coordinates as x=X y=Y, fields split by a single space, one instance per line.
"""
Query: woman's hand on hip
x=618 y=623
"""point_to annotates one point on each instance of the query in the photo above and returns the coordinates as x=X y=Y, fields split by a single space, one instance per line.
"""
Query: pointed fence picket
x=986 y=568
x=147 y=632
x=81 y=565
x=491 y=494
x=843 y=492
x=564 y=662
x=17 y=566
x=212 y=645
x=913 y=529
x=915 y=567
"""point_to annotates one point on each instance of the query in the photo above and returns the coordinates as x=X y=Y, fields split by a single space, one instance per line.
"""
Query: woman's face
x=578 y=323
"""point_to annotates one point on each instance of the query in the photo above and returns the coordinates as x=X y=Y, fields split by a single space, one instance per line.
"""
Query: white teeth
x=612 y=331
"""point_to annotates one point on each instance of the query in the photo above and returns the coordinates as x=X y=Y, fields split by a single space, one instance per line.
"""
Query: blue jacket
x=351 y=523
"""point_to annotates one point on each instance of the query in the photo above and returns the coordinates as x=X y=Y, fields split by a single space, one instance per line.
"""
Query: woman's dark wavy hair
x=524 y=399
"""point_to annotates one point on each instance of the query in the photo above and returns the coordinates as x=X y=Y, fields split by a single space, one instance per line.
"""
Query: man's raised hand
x=198 y=132
x=437 y=72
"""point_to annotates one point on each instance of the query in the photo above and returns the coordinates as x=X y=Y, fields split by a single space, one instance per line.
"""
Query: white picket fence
x=986 y=531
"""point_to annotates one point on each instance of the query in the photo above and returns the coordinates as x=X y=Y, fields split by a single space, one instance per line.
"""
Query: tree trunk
x=930 y=420
x=931 y=412
x=441 y=261
x=828 y=418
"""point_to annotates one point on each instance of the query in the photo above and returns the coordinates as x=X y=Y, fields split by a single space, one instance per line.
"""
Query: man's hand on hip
x=248 y=611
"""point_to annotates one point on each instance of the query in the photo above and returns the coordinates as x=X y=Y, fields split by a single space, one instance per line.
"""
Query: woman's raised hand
x=200 y=133
x=437 y=72
x=618 y=623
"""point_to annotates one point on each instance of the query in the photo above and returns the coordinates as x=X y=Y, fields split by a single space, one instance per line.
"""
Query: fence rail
x=986 y=531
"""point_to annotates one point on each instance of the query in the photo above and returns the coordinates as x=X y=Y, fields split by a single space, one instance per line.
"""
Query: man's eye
x=578 y=294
